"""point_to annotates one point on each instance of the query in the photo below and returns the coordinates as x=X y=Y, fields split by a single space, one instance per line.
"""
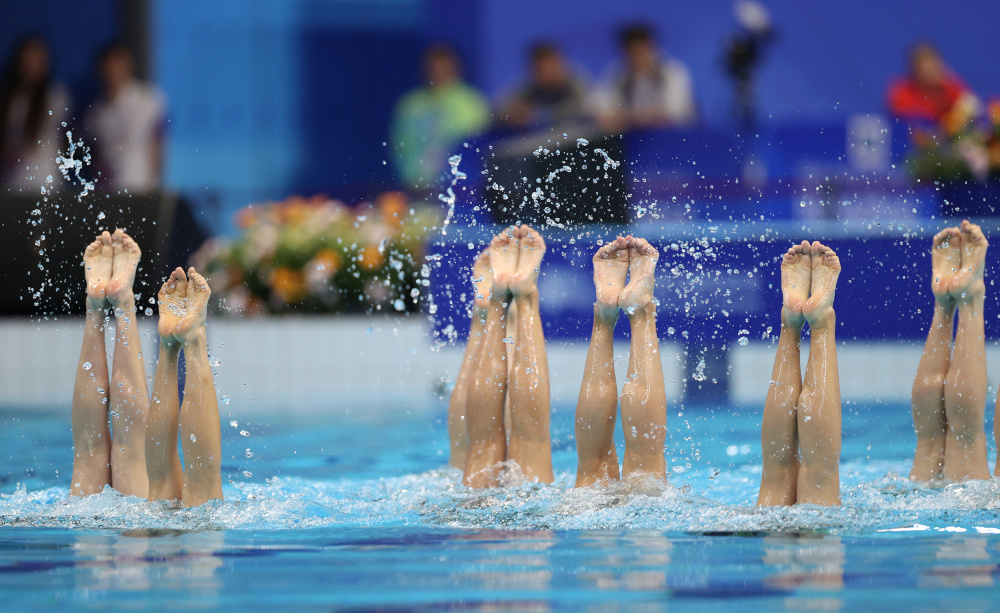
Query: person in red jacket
x=931 y=92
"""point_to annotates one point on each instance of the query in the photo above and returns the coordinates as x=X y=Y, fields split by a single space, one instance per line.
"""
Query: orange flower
x=370 y=258
x=393 y=207
x=246 y=217
x=329 y=259
x=994 y=111
x=288 y=284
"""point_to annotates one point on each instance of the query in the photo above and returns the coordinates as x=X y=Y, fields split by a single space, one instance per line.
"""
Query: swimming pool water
x=354 y=511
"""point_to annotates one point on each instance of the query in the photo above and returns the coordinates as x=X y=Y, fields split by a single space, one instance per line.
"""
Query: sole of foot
x=503 y=262
x=642 y=259
x=126 y=261
x=610 y=272
x=183 y=305
x=530 y=251
x=98 y=258
x=825 y=266
x=967 y=284
x=946 y=260
x=796 y=282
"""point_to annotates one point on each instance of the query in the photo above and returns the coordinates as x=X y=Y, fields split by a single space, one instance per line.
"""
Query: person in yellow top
x=430 y=121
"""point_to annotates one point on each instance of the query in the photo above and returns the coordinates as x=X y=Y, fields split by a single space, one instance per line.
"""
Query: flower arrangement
x=965 y=145
x=319 y=255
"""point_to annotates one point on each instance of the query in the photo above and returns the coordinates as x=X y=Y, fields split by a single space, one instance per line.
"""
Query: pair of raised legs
x=643 y=399
x=949 y=391
x=499 y=372
x=136 y=453
x=801 y=429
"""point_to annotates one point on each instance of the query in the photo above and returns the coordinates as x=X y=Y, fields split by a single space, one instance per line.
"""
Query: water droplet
x=234 y=423
x=87 y=366
x=244 y=433
x=148 y=311
x=225 y=400
x=194 y=439
x=743 y=341
x=249 y=453
x=247 y=473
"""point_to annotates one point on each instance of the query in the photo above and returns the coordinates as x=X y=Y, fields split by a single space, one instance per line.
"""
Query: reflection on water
x=143 y=560
x=496 y=570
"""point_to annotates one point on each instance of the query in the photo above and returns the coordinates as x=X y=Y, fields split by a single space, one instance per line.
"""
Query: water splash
x=71 y=167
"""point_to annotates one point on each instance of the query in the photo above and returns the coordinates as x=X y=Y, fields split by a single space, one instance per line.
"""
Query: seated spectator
x=32 y=110
x=552 y=93
x=931 y=93
x=648 y=89
x=431 y=120
x=127 y=122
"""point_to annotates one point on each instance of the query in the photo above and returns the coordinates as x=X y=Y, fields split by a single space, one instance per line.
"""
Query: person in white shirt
x=32 y=112
x=647 y=90
x=127 y=123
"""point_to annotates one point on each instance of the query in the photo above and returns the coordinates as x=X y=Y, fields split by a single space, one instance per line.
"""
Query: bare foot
x=97 y=266
x=172 y=305
x=183 y=307
x=825 y=271
x=503 y=262
x=126 y=261
x=531 y=249
x=641 y=266
x=482 y=280
x=946 y=259
x=198 y=293
x=610 y=270
x=967 y=284
x=796 y=280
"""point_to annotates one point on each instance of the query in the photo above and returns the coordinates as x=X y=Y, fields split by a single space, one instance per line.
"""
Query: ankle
x=792 y=319
x=824 y=320
x=642 y=312
x=96 y=307
x=124 y=304
x=605 y=314
x=195 y=339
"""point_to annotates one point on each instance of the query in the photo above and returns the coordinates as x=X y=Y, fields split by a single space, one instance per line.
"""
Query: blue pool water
x=350 y=512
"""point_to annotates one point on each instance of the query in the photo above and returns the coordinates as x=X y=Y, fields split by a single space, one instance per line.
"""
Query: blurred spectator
x=431 y=120
x=551 y=94
x=32 y=110
x=931 y=93
x=648 y=89
x=127 y=122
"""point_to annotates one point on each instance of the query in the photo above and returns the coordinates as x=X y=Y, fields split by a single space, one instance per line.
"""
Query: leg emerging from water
x=779 y=428
x=163 y=463
x=129 y=393
x=927 y=398
x=644 y=400
x=530 y=440
x=819 y=409
x=91 y=436
x=597 y=406
x=199 y=418
x=487 y=382
x=458 y=434
x=965 y=387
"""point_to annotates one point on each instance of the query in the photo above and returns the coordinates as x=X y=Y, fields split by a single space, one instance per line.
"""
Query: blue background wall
x=272 y=97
